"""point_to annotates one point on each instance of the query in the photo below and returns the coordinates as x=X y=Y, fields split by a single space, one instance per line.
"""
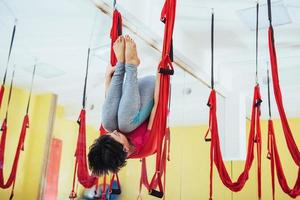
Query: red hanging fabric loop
x=290 y=141
x=12 y=176
x=271 y=155
x=276 y=164
x=215 y=150
x=207 y=136
x=83 y=175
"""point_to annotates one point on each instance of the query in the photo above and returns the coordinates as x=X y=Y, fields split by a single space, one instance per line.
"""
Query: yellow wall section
x=30 y=163
x=188 y=170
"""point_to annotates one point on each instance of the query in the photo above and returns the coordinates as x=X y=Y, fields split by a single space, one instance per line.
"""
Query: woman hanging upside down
x=128 y=111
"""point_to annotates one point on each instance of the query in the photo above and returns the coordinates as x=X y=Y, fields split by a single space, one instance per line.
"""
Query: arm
x=108 y=76
x=156 y=95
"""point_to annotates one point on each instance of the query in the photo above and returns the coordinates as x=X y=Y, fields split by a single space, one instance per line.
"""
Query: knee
x=109 y=126
x=125 y=125
x=109 y=123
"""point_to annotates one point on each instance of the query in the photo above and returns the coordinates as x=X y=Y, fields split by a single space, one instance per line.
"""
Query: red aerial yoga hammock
x=80 y=168
x=7 y=64
x=159 y=132
x=273 y=154
x=12 y=177
x=158 y=141
x=254 y=137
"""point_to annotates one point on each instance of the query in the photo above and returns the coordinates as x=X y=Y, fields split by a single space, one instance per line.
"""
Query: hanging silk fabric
x=81 y=168
x=12 y=177
x=115 y=32
x=7 y=64
x=158 y=141
x=290 y=141
x=254 y=135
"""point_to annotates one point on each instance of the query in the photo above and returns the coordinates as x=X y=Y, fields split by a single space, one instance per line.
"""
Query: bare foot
x=131 y=56
x=119 y=48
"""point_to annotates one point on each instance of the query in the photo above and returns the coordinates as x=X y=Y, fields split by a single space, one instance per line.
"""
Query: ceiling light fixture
x=280 y=15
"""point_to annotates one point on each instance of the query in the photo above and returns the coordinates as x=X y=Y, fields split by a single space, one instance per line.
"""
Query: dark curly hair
x=106 y=155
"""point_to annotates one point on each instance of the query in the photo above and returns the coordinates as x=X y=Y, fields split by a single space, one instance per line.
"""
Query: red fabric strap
x=114 y=34
x=159 y=127
x=73 y=194
x=103 y=197
x=114 y=176
x=12 y=176
x=83 y=175
x=102 y=130
x=1 y=94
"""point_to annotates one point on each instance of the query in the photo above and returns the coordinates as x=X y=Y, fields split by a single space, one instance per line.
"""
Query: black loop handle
x=120 y=32
x=258 y=103
x=156 y=193
x=72 y=196
x=269 y=156
x=171 y=53
x=166 y=71
x=115 y=191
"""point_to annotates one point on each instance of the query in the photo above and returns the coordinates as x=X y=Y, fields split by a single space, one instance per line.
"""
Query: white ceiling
x=57 y=33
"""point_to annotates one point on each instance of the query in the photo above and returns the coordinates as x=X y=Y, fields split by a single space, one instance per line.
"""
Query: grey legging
x=127 y=105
